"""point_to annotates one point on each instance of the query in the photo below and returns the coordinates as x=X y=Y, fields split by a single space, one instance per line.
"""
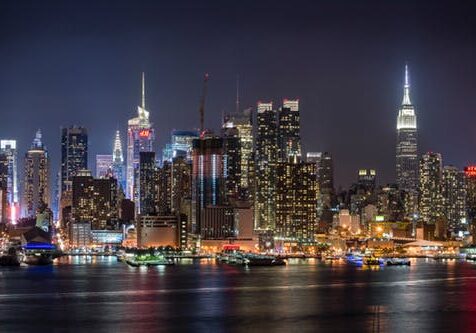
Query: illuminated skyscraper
x=147 y=183
x=232 y=151
x=242 y=121
x=36 y=187
x=289 y=137
x=266 y=159
x=9 y=149
x=74 y=154
x=407 y=150
x=430 y=203
x=454 y=199
x=296 y=200
x=208 y=176
x=103 y=166
x=118 y=162
x=140 y=138
x=4 y=217
x=181 y=145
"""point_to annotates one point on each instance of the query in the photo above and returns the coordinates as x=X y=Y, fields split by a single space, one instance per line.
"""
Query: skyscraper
x=104 y=166
x=147 y=183
x=181 y=145
x=266 y=158
x=140 y=138
x=3 y=189
x=232 y=151
x=296 y=199
x=118 y=162
x=430 y=203
x=9 y=149
x=208 y=176
x=407 y=150
x=289 y=137
x=36 y=178
x=454 y=199
x=74 y=154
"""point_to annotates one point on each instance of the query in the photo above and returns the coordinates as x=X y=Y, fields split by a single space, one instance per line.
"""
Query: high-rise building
x=4 y=218
x=147 y=183
x=104 y=166
x=470 y=181
x=118 y=162
x=208 y=177
x=181 y=145
x=164 y=189
x=325 y=173
x=94 y=201
x=181 y=182
x=407 y=150
x=74 y=154
x=454 y=199
x=289 y=137
x=430 y=202
x=242 y=122
x=140 y=138
x=36 y=178
x=232 y=151
x=9 y=149
x=266 y=158
x=367 y=179
x=296 y=199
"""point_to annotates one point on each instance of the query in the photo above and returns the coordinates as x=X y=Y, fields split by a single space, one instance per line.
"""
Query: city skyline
x=358 y=96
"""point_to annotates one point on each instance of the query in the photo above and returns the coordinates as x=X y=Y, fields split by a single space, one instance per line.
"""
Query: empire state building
x=407 y=153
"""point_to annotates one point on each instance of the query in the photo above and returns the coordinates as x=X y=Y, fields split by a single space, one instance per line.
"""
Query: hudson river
x=101 y=295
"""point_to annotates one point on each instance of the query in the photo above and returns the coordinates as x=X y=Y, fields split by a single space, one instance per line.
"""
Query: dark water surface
x=102 y=295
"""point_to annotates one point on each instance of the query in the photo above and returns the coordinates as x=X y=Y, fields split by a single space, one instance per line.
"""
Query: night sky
x=64 y=63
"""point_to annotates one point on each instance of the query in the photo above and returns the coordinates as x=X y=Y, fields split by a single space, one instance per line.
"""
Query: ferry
x=149 y=260
x=233 y=256
x=397 y=262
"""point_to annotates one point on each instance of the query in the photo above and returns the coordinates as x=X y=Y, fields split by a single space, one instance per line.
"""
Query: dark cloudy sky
x=65 y=62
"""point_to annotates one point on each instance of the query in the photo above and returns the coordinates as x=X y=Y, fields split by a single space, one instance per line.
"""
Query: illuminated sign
x=470 y=171
x=144 y=133
x=379 y=218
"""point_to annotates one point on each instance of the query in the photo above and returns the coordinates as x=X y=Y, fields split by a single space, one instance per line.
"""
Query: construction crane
x=202 y=106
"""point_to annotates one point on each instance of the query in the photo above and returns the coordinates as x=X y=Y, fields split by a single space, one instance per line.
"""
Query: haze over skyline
x=63 y=64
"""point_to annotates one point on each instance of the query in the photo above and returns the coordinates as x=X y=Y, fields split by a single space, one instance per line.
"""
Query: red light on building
x=144 y=133
x=470 y=171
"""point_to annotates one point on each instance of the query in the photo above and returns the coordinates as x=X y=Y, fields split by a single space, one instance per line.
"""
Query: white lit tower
x=140 y=138
x=9 y=149
x=406 y=152
x=118 y=161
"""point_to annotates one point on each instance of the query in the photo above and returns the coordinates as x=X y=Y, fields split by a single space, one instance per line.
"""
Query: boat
x=38 y=259
x=397 y=262
x=38 y=253
x=149 y=260
x=262 y=260
x=471 y=257
x=372 y=261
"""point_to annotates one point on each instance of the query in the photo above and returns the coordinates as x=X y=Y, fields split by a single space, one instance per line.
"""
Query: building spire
x=117 y=151
x=406 y=88
x=143 y=90
x=37 y=141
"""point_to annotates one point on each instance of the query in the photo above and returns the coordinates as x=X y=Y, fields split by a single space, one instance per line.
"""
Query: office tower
x=367 y=179
x=232 y=151
x=147 y=184
x=181 y=186
x=4 y=217
x=164 y=189
x=74 y=154
x=325 y=173
x=118 y=162
x=470 y=181
x=94 y=201
x=140 y=138
x=391 y=203
x=407 y=150
x=55 y=200
x=181 y=145
x=9 y=149
x=266 y=157
x=454 y=199
x=430 y=202
x=289 y=137
x=104 y=166
x=208 y=176
x=296 y=199
x=36 y=178
x=242 y=122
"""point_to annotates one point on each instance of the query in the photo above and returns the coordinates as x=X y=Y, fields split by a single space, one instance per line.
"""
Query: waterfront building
x=296 y=199
x=118 y=162
x=232 y=160
x=80 y=234
x=266 y=158
x=140 y=138
x=104 y=166
x=454 y=199
x=147 y=184
x=242 y=122
x=208 y=176
x=156 y=231
x=36 y=178
x=289 y=137
x=430 y=202
x=9 y=149
x=94 y=201
x=406 y=149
